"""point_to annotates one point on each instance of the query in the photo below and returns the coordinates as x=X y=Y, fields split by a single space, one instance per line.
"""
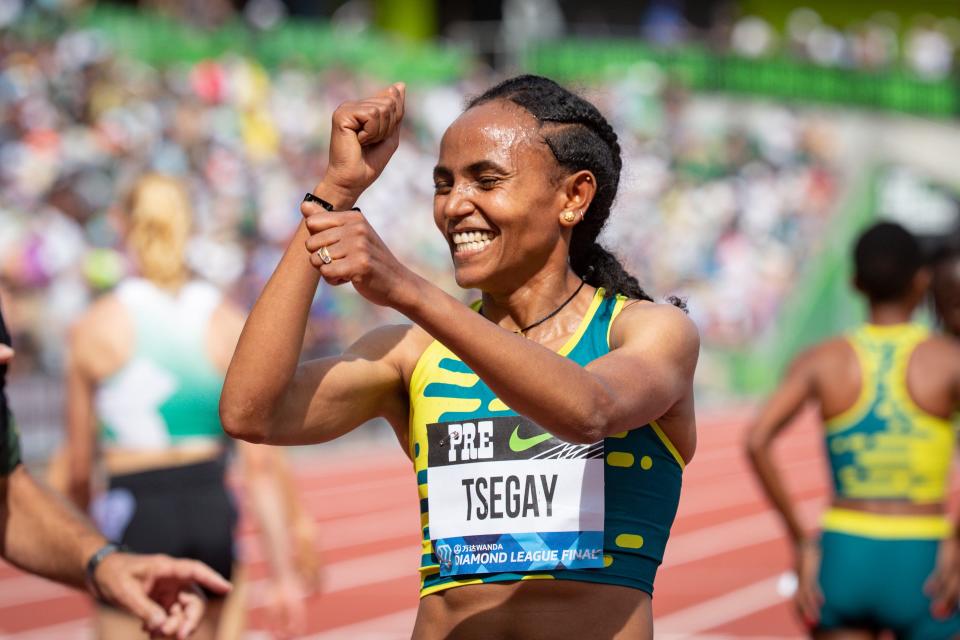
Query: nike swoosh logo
x=518 y=444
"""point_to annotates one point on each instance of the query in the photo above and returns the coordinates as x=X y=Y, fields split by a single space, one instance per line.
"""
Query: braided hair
x=579 y=138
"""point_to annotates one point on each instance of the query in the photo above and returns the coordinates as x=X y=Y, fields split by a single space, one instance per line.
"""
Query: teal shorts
x=877 y=584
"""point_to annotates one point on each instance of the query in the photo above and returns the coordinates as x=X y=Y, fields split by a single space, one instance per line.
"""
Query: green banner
x=780 y=78
x=309 y=44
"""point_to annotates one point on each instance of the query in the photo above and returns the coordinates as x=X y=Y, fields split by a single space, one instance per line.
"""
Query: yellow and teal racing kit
x=885 y=448
x=502 y=499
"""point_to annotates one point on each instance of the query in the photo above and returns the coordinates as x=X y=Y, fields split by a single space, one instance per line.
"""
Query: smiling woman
x=548 y=425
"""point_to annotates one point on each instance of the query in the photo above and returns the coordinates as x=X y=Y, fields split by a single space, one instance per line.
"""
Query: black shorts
x=184 y=511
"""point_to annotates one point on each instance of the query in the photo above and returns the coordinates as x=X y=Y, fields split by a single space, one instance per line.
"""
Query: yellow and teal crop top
x=168 y=392
x=502 y=499
x=885 y=447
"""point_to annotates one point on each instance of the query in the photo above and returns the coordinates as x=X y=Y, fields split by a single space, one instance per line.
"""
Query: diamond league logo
x=445 y=555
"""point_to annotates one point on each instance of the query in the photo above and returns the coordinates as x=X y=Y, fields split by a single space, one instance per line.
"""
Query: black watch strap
x=95 y=561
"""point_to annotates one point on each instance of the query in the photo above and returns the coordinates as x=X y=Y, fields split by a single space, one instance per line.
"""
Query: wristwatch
x=95 y=561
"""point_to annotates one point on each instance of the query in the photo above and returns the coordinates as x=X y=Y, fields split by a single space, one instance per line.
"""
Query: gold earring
x=569 y=216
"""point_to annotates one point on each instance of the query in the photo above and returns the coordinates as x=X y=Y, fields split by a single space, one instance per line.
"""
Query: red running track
x=721 y=577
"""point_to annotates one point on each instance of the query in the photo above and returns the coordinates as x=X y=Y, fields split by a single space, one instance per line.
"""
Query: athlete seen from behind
x=144 y=371
x=40 y=533
x=887 y=555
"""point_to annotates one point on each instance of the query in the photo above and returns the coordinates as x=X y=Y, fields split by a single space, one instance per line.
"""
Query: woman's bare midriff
x=891 y=507
x=124 y=461
x=534 y=609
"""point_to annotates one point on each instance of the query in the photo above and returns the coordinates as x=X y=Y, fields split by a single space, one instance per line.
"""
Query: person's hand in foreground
x=163 y=592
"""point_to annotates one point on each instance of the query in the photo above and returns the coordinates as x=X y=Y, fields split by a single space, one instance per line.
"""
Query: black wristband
x=318 y=200
x=95 y=561
x=323 y=203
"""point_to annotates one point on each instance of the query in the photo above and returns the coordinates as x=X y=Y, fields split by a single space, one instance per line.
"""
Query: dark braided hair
x=580 y=138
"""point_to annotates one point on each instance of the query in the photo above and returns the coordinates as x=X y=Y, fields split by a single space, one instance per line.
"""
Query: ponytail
x=600 y=268
x=160 y=215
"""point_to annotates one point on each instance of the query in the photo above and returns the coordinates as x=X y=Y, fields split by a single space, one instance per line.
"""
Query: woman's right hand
x=808 y=597
x=943 y=585
x=364 y=136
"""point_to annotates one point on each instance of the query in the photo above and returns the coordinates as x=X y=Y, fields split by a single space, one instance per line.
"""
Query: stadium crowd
x=722 y=200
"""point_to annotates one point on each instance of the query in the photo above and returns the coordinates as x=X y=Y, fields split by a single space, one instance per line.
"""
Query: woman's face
x=498 y=197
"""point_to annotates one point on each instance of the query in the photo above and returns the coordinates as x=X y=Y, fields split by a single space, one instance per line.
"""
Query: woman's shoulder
x=402 y=343
x=101 y=338
x=645 y=318
x=102 y=316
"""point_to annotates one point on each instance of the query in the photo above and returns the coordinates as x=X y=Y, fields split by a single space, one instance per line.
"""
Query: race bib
x=507 y=496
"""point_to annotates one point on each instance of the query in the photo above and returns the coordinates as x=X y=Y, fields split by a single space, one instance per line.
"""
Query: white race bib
x=507 y=496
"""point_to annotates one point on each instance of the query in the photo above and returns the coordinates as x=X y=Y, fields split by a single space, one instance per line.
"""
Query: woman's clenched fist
x=363 y=137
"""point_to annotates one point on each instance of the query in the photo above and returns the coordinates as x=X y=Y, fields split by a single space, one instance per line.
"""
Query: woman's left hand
x=358 y=256
x=808 y=597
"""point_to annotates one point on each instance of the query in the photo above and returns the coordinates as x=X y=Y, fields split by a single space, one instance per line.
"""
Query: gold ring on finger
x=324 y=255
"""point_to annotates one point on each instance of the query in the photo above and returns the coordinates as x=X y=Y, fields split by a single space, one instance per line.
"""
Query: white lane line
x=708 y=496
x=325 y=463
x=393 y=626
x=376 y=526
x=372 y=569
x=23 y=589
x=707 y=542
x=73 y=630
x=408 y=479
x=350 y=574
x=370 y=527
x=338 y=576
x=718 y=458
x=733 y=605
x=365 y=570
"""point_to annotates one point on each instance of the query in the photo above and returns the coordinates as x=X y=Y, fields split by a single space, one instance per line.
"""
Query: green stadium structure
x=822 y=304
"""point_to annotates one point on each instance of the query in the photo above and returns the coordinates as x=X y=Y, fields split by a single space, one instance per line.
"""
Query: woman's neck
x=170 y=285
x=534 y=300
x=890 y=313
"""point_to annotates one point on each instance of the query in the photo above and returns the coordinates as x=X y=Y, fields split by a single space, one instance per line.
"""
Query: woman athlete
x=145 y=367
x=887 y=556
x=548 y=426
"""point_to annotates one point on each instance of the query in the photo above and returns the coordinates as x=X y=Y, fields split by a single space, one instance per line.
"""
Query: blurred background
x=758 y=137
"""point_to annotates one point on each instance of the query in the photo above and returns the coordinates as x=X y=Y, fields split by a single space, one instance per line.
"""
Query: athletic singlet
x=885 y=447
x=506 y=483
x=168 y=392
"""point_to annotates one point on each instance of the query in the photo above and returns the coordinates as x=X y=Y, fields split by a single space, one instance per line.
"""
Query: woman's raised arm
x=267 y=396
